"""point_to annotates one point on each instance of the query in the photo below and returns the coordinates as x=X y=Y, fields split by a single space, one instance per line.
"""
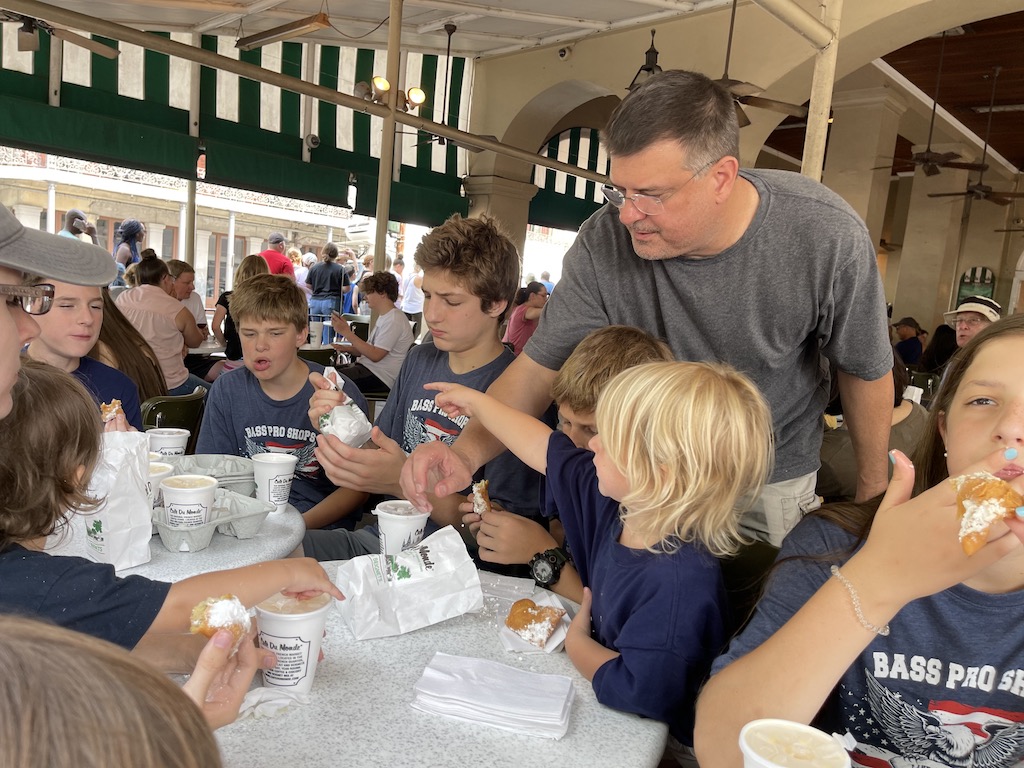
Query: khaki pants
x=779 y=507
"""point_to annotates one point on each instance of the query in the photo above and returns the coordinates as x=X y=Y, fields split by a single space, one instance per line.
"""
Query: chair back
x=324 y=355
x=181 y=411
x=744 y=576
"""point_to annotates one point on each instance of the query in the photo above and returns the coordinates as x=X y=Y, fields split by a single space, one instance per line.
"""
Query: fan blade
x=794 y=110
x=741 y=116
x=998 y=199
x=966 y=166
x=1017 y=229
x=85 y=42
x=1008 y=194
x=950 y=194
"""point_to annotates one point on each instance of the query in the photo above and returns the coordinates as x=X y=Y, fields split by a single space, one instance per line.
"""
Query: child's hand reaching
x=454 y=399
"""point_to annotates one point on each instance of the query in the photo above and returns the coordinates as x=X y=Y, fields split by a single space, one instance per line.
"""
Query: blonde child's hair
x=600 y=356
x=693 y=440
x=75 y=701
x=51 y=440
x=269 y=298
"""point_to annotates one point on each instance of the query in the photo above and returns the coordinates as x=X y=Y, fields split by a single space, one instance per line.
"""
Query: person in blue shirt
x=680 y=447
x=66 y=334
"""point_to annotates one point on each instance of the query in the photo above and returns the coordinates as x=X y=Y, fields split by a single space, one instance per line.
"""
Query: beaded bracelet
x=883 y=631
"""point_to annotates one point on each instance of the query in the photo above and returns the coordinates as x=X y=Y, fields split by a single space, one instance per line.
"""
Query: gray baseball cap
x=60 y=258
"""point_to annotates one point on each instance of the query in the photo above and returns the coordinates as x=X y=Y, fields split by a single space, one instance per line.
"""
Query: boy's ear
x=496 y=308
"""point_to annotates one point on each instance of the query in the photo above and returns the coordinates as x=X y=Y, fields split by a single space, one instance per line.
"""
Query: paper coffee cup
x=273 y=473
x=168 y=441
x=316 y=333
x=401 y=526
x=188 y=499
x=292 y=629
x=157 y=472
x=784 y=744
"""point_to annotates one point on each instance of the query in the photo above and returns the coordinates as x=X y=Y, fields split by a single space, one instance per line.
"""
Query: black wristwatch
x=546 y=567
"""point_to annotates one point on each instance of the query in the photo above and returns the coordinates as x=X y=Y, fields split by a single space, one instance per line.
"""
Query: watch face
x=542 y=571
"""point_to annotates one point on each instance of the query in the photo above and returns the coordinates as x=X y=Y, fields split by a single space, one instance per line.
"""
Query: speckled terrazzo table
x=359 y=714
x=279 y=535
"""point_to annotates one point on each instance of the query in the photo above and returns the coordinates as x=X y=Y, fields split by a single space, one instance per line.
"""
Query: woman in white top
x=412 y=297
x=382 y=355
x=168 y=326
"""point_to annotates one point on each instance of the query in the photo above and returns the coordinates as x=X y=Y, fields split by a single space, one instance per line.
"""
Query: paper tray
x=233 y=515
x=233 y=473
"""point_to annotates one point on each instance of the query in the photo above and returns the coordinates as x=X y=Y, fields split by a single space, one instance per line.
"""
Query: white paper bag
x=392 y=595
x=119 y=531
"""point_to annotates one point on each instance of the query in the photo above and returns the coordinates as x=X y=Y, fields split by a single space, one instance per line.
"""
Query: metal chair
x=181 y=411
x=323 y=356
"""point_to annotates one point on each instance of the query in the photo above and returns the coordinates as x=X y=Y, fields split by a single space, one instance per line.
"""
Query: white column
x=28 y=215
x=202 y=257
x=155 y=239
x=253 y=245
x=51 y=208
x=182 y=230
x=330 y=235
x=229 y=267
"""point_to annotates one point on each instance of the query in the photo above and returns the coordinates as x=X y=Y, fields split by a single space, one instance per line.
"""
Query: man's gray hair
x=681 y=106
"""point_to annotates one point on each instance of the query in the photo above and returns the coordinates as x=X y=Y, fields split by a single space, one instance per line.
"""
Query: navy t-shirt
x=105 y=384
x=79 y=594
x=663 y=612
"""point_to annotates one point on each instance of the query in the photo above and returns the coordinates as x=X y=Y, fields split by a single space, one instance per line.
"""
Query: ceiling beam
x=230 y=18
x=96 y=26
x=796 y=18
x=508 y=13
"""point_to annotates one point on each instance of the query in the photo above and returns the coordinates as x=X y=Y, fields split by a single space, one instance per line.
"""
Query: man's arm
x=867 y=413
x=435 y=468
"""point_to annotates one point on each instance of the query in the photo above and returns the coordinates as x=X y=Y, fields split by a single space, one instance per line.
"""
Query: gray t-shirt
x=801 y=283
x=411 y=417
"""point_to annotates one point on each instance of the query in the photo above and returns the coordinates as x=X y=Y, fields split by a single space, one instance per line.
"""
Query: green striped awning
x=134 y=111
x=564 y=201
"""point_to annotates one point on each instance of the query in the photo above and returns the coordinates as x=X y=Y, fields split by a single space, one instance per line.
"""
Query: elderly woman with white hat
x=973 y=314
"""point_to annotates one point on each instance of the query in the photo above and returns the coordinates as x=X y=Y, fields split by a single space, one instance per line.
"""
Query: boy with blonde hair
x=261 y=407
x=679 y=447
x=508 y=539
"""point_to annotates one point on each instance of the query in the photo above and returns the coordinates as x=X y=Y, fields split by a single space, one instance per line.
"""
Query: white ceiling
x=483 y=30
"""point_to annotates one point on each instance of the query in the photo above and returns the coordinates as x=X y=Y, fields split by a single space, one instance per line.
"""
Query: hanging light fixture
x=650 y=66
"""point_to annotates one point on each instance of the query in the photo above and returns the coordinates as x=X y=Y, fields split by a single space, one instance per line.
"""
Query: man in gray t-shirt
x=766 y=270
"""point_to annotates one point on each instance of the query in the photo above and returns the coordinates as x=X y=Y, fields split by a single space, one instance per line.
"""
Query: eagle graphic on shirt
x=946 y=735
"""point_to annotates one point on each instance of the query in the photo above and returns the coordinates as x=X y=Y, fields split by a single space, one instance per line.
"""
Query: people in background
x=66 y=334
x=223 y=324
x=545 y=277
x=909 y=346
x=412 y=297
x=875 y=617
x=837 y=476
x=122 y=347
x=380 y=357
x=130 y=237
x=302 y=262
x=971 y=316
x=522 y=322
x=274 y=254
x=183 y=288
x=75 y=224
x=942 y=347
x=328 y=282
x=168 y=326
x=703 y=254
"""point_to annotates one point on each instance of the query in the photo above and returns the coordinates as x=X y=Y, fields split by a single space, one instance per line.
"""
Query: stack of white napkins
x=489 y=693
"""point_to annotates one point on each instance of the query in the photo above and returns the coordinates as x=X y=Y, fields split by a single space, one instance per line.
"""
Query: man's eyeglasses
x=34 y=299
x=649 y=205
x=971 y=322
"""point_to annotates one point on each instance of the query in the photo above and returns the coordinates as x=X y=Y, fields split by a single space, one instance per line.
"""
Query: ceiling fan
x=980 y=190
x=929 y=160
x=441 y=140
x=747 y=93
x=28 y=35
